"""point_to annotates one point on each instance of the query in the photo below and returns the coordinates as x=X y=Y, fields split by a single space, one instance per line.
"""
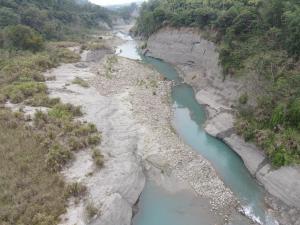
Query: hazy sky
x=110 y=2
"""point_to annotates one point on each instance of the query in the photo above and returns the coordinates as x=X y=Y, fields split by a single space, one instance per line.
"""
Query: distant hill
x=51 y=18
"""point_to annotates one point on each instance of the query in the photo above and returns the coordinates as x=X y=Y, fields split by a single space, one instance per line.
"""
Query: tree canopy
x=52 y=19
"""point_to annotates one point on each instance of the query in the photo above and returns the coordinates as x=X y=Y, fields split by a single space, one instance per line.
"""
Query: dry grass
x=98 y=158
x=81 y=82
x=29 y=192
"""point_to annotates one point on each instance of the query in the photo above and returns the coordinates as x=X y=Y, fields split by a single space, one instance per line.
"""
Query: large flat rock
x=247 y=151
x=283 y=183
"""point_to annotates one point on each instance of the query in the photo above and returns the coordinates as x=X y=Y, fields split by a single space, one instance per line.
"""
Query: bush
x=94 y=139
x=278 y=115
x=79 y=81
x=32 y=194
x=98 y=157
x=57 y=157
x=243 y=99
x=42 y=99
x=293 y=114
x=21 y=91
x=65 y=111
x=76 y=190
x=23 y=38
x=91 y=210
x=76 y=143
x=66 y=56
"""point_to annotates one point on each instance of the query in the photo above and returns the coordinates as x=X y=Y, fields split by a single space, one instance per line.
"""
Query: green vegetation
x=76 y=190
x=258 y=37
x=98 y=157
x=50 y=20
x=109 y=66
x=91 y=210
x=24 y=150
x=81 y=82
x=33 y=152
x=30 y=194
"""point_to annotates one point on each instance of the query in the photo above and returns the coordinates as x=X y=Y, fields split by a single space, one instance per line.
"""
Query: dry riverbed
x=130 y=104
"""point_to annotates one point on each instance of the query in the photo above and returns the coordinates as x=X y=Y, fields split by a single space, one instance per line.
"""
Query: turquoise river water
x=156 y=206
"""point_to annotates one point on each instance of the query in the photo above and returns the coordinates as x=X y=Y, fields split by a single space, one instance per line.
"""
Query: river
x=159 y=207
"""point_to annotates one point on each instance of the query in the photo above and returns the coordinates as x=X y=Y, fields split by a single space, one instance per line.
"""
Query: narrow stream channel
x=157 y=207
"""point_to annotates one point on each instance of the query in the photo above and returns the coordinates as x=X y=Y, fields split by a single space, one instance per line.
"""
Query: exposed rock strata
x=197 y=60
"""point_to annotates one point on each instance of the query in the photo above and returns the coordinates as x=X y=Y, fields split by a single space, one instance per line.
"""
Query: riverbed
x=160 y=207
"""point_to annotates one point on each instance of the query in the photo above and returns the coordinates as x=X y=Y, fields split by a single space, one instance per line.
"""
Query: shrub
x=21 y=91
x=98 y=157
x=91 y=210
x=278 y=115
x=81 y=82
x=243 y=99
x=94 y=139
x=65 y=111
x=42 y=99
x=293 y=114
x=66 y=56
x=76 y=143
x=57 y=157
x=75 y=190
x=23 y=38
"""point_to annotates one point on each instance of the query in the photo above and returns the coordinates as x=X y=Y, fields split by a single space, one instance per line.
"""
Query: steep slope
x=197 y=60
x=253 y=46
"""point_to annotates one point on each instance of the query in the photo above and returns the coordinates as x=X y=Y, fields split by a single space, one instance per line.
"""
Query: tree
x=22 y=37
x=8 y=17
x=292 y=24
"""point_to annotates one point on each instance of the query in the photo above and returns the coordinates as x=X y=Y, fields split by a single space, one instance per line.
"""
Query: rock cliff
x=197 y=60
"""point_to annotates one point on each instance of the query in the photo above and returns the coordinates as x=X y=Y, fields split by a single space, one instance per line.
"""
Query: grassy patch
x=81 y=82
x=30 y=193
x=95 y=45
x=42 y=99
x=109 y=66
x=18 y=92
x=98 y=158
x=31 y=189
x=65 y=111
x=76 y=190
x=91 y=210
x=282 y=145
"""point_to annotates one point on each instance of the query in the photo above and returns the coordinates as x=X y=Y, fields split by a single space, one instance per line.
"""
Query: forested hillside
x=259 y=37
x=52 y=19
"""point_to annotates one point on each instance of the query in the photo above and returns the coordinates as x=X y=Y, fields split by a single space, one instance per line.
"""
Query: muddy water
x=159 y=207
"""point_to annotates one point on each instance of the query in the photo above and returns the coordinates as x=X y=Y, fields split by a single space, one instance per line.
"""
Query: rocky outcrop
x=197 y=60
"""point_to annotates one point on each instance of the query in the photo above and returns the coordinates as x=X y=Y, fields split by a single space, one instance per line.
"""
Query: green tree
x=22 y=37
x=8 y=17
x=292 y=24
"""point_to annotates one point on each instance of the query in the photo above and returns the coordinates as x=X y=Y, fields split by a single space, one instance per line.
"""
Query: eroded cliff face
x=197 y=60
